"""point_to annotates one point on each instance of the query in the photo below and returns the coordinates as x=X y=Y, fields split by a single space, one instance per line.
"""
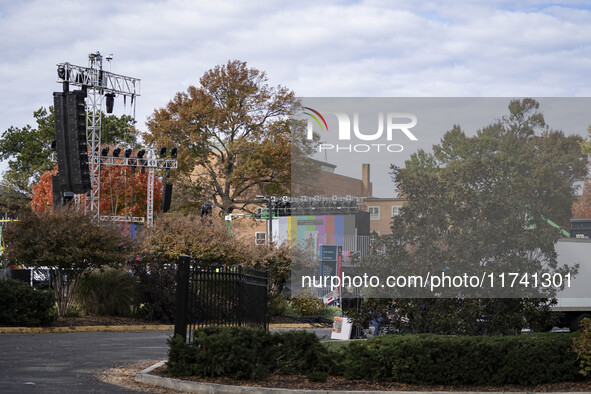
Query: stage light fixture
x=105 y=151
x=116 y=152
x=173 y=153
x=127 y=152
x=140 y=154
x=163 y=152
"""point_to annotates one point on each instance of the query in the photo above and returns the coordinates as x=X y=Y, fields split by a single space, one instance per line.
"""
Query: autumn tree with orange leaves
x=42 y=196
x=234 y=131
x=123 y=191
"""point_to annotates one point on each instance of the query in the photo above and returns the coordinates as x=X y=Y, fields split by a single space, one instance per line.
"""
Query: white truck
x=574 y=302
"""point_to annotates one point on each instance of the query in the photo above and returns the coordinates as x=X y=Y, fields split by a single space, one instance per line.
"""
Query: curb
x=49 y=330
x=189 y=386
x=155 y=327
x=293 y=325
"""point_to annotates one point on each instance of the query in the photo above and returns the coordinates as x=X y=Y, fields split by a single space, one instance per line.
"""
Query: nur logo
x=318 y=115
x=391 y=122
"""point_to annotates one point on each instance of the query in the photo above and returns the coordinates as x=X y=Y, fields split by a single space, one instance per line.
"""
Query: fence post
x=266 y=300
x=182 y=296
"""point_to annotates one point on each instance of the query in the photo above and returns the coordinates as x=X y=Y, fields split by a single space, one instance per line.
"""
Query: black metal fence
x=227 y=296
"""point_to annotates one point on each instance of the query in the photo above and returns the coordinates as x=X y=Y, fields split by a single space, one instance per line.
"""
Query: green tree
x=28 y=151
x=477 y=204
x=29 y=154
x=70 y=243
x=233 y=134
x=586 y=145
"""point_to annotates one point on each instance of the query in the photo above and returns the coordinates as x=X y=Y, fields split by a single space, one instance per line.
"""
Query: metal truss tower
x=99 y=83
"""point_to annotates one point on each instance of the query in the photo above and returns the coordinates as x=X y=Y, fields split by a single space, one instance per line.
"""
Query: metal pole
x=182 y=296
x=270 y=237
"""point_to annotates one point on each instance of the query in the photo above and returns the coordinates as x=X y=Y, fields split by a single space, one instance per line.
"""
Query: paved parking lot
x=67 y=363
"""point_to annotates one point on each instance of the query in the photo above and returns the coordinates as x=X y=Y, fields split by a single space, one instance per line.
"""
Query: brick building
x=381 y=210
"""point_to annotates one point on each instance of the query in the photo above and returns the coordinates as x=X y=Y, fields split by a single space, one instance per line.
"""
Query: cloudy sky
x=319 y=49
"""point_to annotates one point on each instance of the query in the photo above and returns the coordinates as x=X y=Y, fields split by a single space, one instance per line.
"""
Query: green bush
x=109 y=292
x=23 y=305
x=330 y=312
x=300 y=352
x=278 y=305
x=462 y=360
x=582 y=347
x=244 y=353
x=156 y=287
x=309 y=306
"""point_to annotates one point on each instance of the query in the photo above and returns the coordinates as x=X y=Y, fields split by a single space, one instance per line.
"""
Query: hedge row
x=241 y=353
x=463 y=360
x=23 y=305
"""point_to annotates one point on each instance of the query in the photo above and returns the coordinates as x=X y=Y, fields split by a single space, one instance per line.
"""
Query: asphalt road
x=66 y=362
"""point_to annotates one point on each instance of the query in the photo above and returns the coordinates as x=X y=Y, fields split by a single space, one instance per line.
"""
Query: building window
x=374 y=213
x=396 y=211
x=260 y=238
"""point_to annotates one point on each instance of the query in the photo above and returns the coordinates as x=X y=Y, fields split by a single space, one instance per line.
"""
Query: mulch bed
x=316 y=321
x=125 y=321
x=101 y=321
x=340 y=383
x=122 y=321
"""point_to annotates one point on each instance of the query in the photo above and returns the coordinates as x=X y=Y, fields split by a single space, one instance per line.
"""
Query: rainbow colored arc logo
x=316 y=118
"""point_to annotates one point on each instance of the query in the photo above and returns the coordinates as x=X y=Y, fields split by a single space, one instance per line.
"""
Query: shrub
x=22 y=305
x=106 y=292
x=456 y=316
x=156 y=288
x=278 y=305
x=300 y=352
x=462 y=360
x=330 y=312
x=307 y=305
x=244 y=353
x=582 y=347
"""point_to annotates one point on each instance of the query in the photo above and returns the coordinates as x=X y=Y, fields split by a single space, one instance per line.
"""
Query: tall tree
x=28 y=151
x=29 y=154
x=477 y=204
x=233 y=134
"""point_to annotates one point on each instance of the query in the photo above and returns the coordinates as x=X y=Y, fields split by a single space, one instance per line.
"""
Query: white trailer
x=574 y=302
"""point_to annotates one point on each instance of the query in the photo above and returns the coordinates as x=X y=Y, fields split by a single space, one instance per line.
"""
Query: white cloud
x=338 y=48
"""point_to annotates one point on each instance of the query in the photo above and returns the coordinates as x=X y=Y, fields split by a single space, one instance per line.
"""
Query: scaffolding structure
x=99 y=84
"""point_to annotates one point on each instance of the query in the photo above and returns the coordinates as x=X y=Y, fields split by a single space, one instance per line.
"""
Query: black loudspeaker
x=109 y=102
x=70 y=141
x=166 y=196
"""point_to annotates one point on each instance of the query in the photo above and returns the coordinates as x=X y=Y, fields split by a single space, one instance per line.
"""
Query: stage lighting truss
x=99 y=84
x=95 y=77
x=136 y=162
